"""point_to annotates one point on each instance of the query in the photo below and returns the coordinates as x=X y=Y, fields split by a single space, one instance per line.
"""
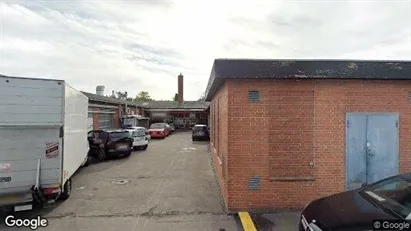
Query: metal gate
x=106 y=120
x=371 y=148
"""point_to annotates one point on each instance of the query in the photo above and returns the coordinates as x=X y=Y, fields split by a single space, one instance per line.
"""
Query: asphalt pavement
x=170 y=186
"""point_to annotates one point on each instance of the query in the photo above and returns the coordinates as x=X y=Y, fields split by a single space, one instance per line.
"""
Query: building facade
x=286 y=132
x=181 y=113
x=105 y=112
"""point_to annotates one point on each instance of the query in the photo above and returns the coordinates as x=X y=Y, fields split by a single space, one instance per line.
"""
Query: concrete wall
x=296 y=122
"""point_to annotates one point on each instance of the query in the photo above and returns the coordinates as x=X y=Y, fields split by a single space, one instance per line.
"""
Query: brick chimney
x=180 y=96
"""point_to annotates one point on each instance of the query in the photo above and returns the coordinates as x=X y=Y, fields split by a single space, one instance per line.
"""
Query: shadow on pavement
x=280 y=221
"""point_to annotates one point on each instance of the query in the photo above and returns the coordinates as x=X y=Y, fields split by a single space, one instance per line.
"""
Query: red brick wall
x=95 y=119
x=116 y=117
x=219 y=153
x=251 y=152
x=180 y=96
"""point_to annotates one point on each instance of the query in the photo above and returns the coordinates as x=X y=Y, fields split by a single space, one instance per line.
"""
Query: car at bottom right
x=383 y=205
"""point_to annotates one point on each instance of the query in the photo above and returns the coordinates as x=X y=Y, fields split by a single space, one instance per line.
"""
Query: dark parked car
x=388 y=199
x=200 y=132
x=110 y=143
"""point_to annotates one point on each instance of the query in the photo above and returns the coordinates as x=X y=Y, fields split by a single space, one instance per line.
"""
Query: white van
x=139 y=136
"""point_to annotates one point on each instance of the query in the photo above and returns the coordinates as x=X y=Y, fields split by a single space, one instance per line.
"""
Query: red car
x=159 y=130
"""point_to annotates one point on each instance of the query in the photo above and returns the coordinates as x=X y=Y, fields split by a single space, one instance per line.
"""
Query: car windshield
x=199 y=128
x=393 y=194
x=119 y=135
x=140 y=132
x=157 y=126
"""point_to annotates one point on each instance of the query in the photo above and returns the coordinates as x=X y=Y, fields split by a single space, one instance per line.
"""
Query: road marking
x=246 y=221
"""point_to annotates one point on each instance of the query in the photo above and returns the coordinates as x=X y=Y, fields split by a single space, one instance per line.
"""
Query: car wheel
x=145 y=147
x=193 y=139
x=101 y=155
x=67 y=190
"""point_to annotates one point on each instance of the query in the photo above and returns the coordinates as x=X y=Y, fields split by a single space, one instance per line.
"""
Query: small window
x=409 y=97
x=254 y=96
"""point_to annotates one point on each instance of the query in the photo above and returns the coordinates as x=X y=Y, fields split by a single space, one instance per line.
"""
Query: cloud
x=143 y=45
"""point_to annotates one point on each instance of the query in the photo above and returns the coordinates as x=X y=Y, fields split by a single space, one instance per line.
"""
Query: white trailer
x=43 y=140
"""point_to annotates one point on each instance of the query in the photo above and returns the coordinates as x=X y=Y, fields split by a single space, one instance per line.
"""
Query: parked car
x=172 y=128
x=388 y=199
x=159 y=130
x=200 y=132
x=140 y=140
x=169 y=128
x=110 y=143
x=140 y=128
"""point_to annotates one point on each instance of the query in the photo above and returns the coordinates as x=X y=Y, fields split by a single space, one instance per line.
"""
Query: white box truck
x=43 y=140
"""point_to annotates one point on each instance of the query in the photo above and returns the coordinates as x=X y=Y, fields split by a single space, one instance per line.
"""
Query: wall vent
x=254 y=183
x=253 y=96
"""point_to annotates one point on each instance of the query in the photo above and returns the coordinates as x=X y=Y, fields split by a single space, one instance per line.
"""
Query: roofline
x=320 y=59
x=174 y=109
x=108 y=101
x=216 y=82
x=31 y=78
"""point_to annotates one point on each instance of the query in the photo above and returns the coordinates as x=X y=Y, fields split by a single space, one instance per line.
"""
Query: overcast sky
x=143 y=45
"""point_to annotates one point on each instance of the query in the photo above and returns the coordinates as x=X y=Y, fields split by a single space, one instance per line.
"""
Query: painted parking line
x=246 y=221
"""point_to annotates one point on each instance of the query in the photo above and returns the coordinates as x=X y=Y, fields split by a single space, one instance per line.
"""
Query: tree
x=121 y=95
x=202 y=97
x=175 y=98
x=143 y=96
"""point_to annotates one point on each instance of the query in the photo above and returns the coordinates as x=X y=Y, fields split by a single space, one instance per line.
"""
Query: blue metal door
x=371 y=148
x=382 y=147
x=356 y=139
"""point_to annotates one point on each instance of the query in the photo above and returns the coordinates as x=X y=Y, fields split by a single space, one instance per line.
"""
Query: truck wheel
x=101 y=155
x=67 y=190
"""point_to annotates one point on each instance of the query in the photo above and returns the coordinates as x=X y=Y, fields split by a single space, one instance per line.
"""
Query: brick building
x=285 y=132
x=105 y=112
x=181 y=113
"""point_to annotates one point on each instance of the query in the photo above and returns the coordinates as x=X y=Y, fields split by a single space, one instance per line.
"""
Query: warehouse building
x=285 y=132
x=105 y=112
x=182 y=114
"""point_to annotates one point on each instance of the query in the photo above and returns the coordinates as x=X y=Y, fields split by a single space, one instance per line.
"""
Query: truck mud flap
x=38 y=196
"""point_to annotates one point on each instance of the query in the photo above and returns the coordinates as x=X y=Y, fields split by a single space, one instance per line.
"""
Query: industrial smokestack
x=180 y=95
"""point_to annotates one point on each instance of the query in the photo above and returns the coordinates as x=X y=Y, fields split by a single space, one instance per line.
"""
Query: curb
x=246 y=221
